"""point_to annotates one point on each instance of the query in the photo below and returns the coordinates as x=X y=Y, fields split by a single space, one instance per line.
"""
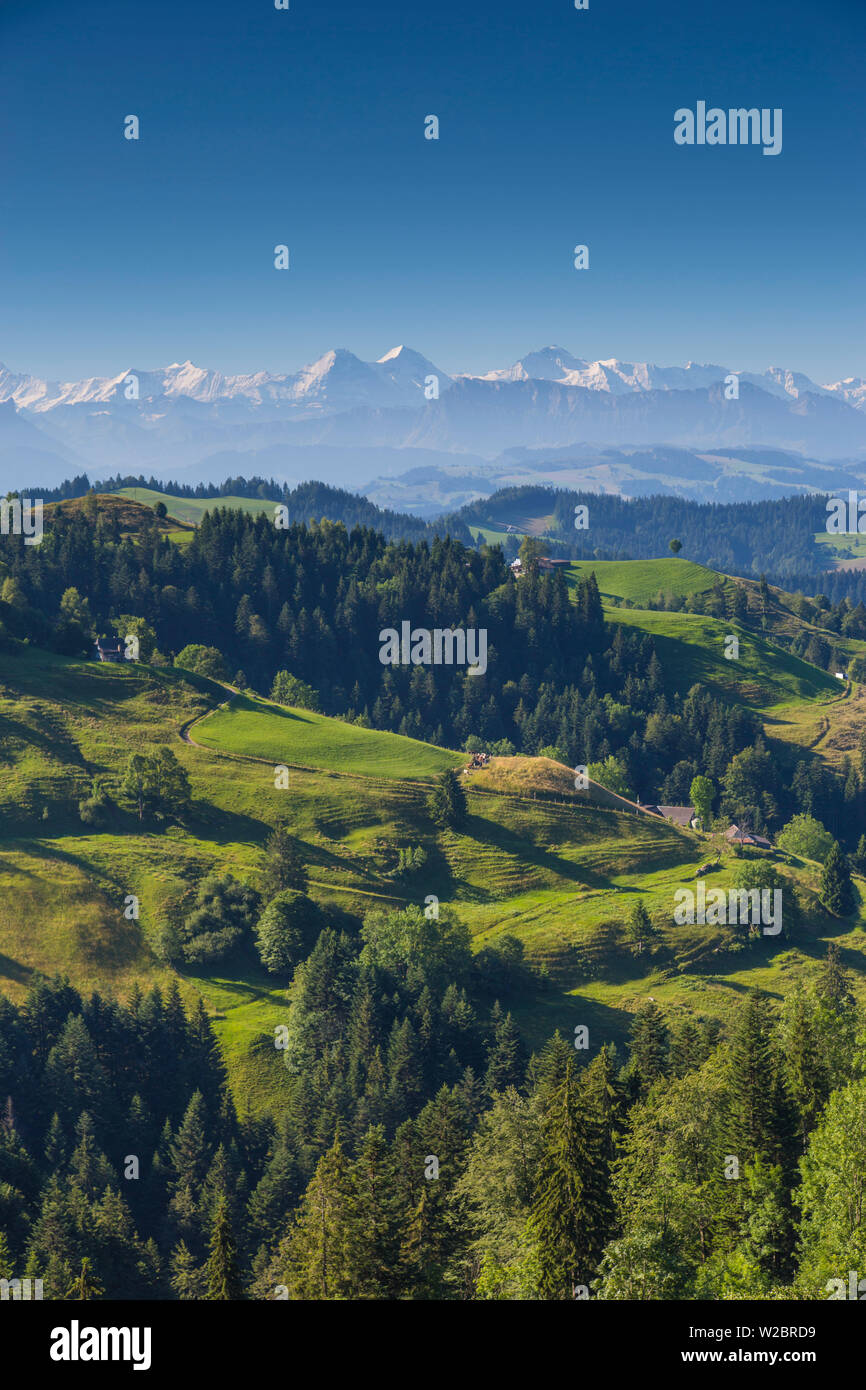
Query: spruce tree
x=284 y=867
x=759 y=1117
x=85 y=1285
x=649 y=1045
x=373 y=1225
x=837 y=890
x=566 y=1220
x=447 y=804
x=187 y=1278
x=314 y=1260
x=222 y=1272
x=506 y=1059
x=641 y=930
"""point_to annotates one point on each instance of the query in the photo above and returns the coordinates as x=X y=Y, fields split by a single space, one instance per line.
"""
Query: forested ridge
x=422 y=1151
x=422 y=1154
x=311 y=601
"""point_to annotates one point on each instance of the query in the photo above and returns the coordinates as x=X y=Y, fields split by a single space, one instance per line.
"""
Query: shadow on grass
x=509 y=842
x=546 y=1014
x=13 y=970
x=53 y=741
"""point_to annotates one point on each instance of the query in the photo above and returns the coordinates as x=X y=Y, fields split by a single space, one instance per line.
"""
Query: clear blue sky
x=261 y=126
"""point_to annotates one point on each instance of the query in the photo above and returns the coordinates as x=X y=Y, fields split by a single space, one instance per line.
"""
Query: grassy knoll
x=260 y=729
x=691 y=648
x=192 y=509
x=641 y=580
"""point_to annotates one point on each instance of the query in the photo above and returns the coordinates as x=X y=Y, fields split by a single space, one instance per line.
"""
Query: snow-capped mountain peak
x=340 y=381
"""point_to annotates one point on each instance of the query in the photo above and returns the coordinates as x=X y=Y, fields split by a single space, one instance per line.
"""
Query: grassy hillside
x=278 y=734
x=191 y=509
x=691 y=648
x=534 y=860
x=124 y=510
x=641 y=580
x=843 y=551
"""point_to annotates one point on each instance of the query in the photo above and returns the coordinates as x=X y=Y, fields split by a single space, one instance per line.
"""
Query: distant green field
x=192 y=509
x=259 y=729
x=691 y=648
x=492 y=535
x=641 y=580
x=842 y=547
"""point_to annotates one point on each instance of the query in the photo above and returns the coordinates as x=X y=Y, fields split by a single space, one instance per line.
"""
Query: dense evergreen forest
x=312 y=600
x=422 y=1154
x=772 y=537
x=306 y=502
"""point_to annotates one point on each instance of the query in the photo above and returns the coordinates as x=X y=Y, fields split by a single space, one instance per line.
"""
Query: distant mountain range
x=346 y=421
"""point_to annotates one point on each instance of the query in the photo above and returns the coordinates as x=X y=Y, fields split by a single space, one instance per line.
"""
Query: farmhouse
x=544 y=563
x=680 y=815
x=737 y=835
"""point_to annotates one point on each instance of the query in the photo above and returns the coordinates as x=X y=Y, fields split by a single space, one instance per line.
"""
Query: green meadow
x=641 y=580
x=691 y=648
x=192 y=509
x=258 y=728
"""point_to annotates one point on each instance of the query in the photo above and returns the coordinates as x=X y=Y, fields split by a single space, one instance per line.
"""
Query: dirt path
x=183 y=732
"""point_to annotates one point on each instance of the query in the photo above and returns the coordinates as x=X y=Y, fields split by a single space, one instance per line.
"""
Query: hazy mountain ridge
x=343 y=419
x=341 y=380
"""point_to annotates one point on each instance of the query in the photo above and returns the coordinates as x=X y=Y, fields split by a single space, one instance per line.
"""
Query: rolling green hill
x=192 y=509
x=641 y=580
x=691 y=648
x=533 y=860
x=258 y=728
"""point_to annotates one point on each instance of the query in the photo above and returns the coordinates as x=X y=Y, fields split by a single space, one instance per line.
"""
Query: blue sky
x=261 y=126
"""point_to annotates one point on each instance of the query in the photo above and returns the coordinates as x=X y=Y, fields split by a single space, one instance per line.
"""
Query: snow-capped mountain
x=339 y=410
x=339 y=381
x=852 y=390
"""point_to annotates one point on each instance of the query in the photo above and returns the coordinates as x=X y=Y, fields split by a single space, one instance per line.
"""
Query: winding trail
x=183 y=732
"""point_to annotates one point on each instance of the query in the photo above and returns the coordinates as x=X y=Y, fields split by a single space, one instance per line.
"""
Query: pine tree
x=56 y=1147
x=566 y=1219
x=837 y=890
x=187 y=1277
x=641 y=930
x=757 y=1121
x=222 y=1272
x=649 y=1045
x=85 y=1285
x=374 y=1233
x=314 y=1261
x=284 y=867
x=686 y=1050
x=506 y=1060
x=447 y=804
